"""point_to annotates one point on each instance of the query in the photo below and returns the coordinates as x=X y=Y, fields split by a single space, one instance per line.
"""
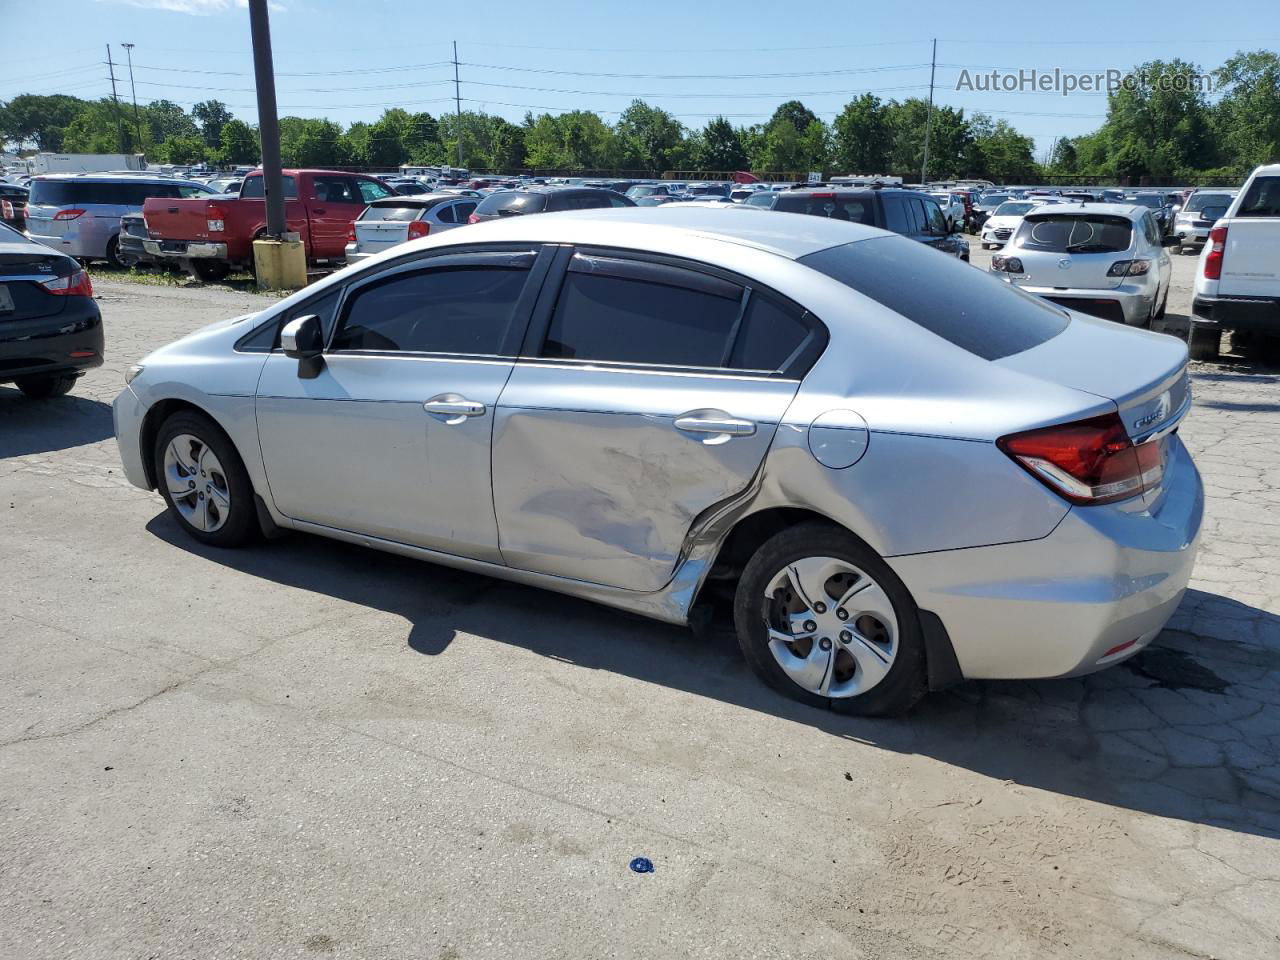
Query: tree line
x=1171 y=130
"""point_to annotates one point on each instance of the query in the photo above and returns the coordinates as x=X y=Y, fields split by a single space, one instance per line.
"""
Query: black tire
x=1203 y=342
x=40 y=388
x=240 y=524
x=1164 y=303
x=210 y=271
x=902 y=685
x=113 y=255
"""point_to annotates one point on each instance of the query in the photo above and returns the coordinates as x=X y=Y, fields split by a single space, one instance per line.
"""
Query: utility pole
x=137 y=121
x=268 y=124
x=928 y=122
x=111 y=69
x=457 y=101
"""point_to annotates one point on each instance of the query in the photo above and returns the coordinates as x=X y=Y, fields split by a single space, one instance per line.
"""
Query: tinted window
x=895 y=215
x=335 y=190
x=371 y=191
x=834 y=207
x=462 y=310
x=447 y=213
x=462 y=211
x=1199 y=201
x=253 y=188
x=267 y=337
x=1262 y=199
x=771 y=336
x=610 y=318
x=915 y=214
x=761 y=198
x=936 y=223
x=578 y=201
x=1014 y=208
x=947 y=297
x=386 y=211
x=1067 y=233
x=511 y=204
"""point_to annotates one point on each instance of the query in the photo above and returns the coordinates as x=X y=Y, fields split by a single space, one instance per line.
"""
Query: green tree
x=720 y=148
x=1247 y=117
x=862 y=137
x=181 y=149
x=212 y=116
x=240 y=145
x=949 y=138
x=39 y=120
x=795 y=113
x=312 y=143
x=163 y=119
x=648 y=137
x=998 y=151
x=100 y=126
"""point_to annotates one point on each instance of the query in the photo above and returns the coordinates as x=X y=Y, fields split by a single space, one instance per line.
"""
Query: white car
x=952 y=206
x=1105 y=259
x=1196 y=217
x=1238 y=280
x=1004 y=222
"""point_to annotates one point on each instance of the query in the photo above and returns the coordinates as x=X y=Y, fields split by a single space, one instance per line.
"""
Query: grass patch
x=236 y=282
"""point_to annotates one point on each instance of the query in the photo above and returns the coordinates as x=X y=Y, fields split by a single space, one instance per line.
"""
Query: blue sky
x=349 y=61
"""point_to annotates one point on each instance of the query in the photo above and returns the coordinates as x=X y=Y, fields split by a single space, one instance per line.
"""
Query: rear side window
x=457 y=310
x=976 y=312
x=512 y=204
x=896 y=215
x=253 y=188
x=579 y=201
x=1261 y=200
x=834 y=207
x=773 y=335
x=1068 y=233
x=656 y=315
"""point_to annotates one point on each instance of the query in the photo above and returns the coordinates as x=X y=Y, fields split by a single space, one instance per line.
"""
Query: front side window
x=267 y=336
x=334 y=190
x=254 y=188
x=936 y=221
x=452 y=310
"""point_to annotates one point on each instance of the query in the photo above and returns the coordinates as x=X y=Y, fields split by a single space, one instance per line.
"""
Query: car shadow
x=1188 y=729
x=40 y=426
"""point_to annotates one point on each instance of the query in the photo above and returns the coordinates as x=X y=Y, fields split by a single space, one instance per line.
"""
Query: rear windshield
x=1199 y=201
x=389 y=211
x=966 y=307
x=711 y=190
x=1147 y=200
x=993 y=199
x=511 y=204
x=73 y=193
x=1013 y=208
x=851 y=209
x=1074 y=233
x=1262 y=200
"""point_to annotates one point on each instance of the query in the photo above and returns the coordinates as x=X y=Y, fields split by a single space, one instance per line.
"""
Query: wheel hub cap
x=206 y=507
x=831 y=626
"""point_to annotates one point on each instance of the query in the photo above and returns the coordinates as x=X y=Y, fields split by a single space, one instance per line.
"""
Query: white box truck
x=86 y=162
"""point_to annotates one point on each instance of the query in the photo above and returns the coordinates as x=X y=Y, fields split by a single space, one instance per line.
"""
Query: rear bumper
x=353 y=254
x=184 y=250
x=1107 y=576
x=1128 y=303
x=1254 y=314
x=127 y=413
x=1189 y=234
x=68 y=342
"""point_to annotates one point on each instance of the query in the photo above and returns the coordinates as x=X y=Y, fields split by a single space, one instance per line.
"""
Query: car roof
x=416 y=200
x=122 y=177
x=1132 y=211
x=650 y=228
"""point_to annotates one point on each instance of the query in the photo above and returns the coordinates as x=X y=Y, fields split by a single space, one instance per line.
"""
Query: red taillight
x=1090 y=461
x=418 y=228
x=1217 y=247
x=76 y=285
x=215 y=218
x=474 y=218
x=68 y=214
x=351 y=233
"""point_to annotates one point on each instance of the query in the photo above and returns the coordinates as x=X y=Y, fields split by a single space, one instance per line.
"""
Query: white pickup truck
x=1238 y=278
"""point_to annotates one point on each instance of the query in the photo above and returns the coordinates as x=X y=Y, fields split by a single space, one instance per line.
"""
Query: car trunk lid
x=22 y=271
x=374 y=236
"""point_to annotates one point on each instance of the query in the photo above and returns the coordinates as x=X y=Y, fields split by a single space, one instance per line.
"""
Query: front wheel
x=203 y=480
x=1203 y=342
x=821 y=618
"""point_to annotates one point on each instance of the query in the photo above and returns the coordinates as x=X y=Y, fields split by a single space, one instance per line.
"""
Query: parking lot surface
x=308 y=749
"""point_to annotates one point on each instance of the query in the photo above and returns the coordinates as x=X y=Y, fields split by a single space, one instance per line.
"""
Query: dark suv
x=907 y=212
x=511 y=203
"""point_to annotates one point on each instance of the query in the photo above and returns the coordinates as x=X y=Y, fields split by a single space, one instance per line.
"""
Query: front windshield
x=1147 y=200
x=1199 y=201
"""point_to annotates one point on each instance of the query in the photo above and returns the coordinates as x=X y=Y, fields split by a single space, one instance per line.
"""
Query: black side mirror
x=1171 y=241
x=303 y=340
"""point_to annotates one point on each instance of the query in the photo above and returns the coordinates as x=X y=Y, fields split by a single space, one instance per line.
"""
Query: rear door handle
x=319 y=210
x=453 y=408
x=716 y=424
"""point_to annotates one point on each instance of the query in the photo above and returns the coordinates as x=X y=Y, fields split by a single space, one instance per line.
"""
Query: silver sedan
x=898 y=470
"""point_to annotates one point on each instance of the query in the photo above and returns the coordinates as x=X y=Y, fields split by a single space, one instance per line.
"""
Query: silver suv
x=79 y=214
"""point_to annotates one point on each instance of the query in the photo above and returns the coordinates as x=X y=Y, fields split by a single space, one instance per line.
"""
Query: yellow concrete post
x=281 y=264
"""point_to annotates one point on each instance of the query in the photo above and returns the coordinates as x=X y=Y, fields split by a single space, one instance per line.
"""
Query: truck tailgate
x=1251 y=260
x=176 y=219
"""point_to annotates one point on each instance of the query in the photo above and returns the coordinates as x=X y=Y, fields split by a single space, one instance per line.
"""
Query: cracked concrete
x=310 y=749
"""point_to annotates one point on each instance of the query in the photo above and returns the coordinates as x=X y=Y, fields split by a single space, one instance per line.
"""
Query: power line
x=702 y=76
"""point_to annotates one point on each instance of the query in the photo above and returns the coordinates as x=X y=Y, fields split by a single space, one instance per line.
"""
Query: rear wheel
x=821 y=618
x=1203 y=342
x=203 y=480
x=39 y=388
x=113 y=254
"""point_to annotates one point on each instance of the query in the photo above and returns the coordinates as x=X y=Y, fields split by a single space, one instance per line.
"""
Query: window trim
x=798 y=364
x=533 y=261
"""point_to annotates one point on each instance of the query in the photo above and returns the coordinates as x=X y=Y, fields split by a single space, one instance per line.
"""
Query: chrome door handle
x=454 y=407
x=730 y=426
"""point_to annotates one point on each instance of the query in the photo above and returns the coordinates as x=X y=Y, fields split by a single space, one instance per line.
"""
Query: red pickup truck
x=215 y=236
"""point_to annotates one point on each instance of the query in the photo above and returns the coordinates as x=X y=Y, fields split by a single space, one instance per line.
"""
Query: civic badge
x=1162 y=408
x=1064 y=263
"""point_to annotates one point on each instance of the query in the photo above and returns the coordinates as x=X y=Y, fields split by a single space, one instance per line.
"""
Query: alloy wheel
x=196 y=483
x=831 y=627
